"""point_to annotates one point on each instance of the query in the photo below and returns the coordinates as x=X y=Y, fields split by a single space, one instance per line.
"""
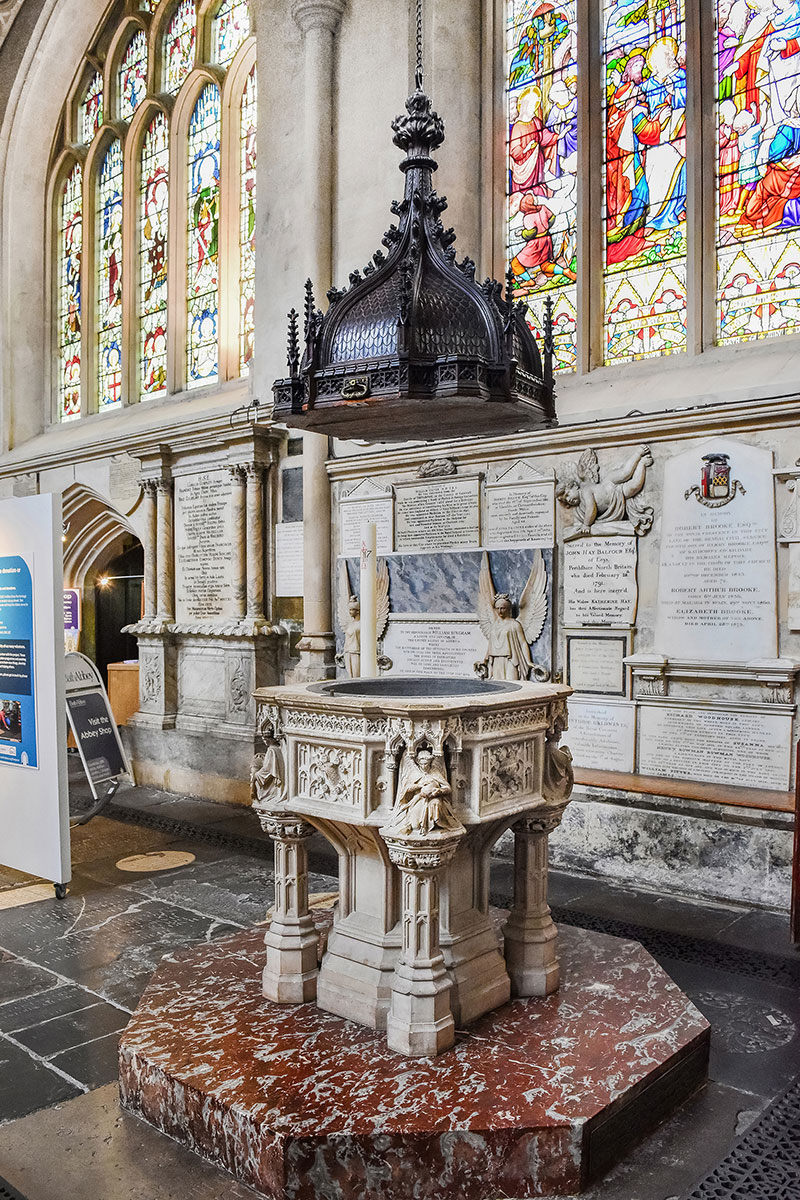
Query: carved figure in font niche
x=423 y=804
x=267 y=779
x=557 y=774
x=605 y=506
x=508 y=638
x=349 y=613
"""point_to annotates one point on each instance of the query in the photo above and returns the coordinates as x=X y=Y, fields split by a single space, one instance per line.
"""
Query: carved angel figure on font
x=606 y=506
x=508 y=638
x=349 y=613
x=267 y=779
x=423 y=804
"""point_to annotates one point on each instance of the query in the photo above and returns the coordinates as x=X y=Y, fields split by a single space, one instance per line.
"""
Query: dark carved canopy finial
x=415 y=347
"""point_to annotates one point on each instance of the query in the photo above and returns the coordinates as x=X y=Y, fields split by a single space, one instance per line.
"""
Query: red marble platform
x=536 y=1098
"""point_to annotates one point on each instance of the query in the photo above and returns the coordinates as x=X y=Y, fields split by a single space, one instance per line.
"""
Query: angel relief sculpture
x=509 y=638
x=424 y=797
x=349 y=614
x=606 y=506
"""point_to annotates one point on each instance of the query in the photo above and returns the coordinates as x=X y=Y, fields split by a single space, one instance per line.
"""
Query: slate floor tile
x=755 y=1026
x=94 y=1063
x=26 y=1085
x=72 y=1029
x=103 y=837
x=32 y=1010
x=21 y=979
x=767 y=932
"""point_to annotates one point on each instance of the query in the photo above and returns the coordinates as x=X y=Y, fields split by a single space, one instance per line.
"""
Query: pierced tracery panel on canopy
x=758 y=171
x=69 y=295
x=153 y=235
x=179 y=45
x=231 y=27
x=109 y=279
x=247 y=221
x=541 y=44
x=644 y=178
x=132 y=77
x=202 y=339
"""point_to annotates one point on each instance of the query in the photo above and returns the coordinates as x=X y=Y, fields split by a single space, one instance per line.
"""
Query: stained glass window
x=541 y=41
x=69 y=295
x=758 y=171
x=90 y=113
x=203 y=242
x=645 y=178
x=132 y=80
x=247 y=222
x=153 y=229
x=109 y=279
x=231 y=27
x=148 y=5
x=179 y=45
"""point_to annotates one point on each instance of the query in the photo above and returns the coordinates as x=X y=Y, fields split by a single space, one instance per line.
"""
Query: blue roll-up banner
x=17 y=684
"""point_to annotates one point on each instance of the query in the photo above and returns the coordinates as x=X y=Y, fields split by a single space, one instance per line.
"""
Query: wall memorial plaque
x=289 y=559
x=600 y=581
x=433 y=645
x=717 y=572
x=520 y=507
x=596 y=664
x=740 y=748
x=367 y=501
x=440 y=515
x=601 y=735
x=203 y=546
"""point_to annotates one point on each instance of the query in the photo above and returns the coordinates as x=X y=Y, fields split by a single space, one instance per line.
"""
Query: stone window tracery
x=155 y=326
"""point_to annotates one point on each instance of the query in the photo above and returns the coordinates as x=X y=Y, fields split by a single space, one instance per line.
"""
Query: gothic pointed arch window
x=132 y=78
x=202 y=341
x=167 y=303
x=109 y=278
x=70 y=254
x=153 y=243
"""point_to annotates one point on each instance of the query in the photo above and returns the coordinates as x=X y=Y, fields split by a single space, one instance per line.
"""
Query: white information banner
x=34 y=799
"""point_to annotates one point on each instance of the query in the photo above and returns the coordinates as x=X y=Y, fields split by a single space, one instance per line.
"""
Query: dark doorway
x=118 y=602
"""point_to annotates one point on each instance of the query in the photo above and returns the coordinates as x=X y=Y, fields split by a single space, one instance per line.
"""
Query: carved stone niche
x=413 y=794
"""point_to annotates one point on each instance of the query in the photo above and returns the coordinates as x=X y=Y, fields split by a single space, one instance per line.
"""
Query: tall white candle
x=369 y=601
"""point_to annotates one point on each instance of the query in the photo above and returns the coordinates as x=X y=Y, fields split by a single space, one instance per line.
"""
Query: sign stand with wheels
x=95 y=731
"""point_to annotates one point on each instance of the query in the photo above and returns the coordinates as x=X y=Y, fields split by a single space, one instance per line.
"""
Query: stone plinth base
x=535 y=1099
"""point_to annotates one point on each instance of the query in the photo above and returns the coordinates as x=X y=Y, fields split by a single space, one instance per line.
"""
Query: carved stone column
x=290 y=976
x=530 y=932
x=318 y=20
x=420 y=1022
x=255 y=542
x=238 y=542
x=150 y=535
x=165 y=551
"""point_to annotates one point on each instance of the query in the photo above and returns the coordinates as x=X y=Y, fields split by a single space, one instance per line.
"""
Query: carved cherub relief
x=605 y=506
x=508 y=638
x=349 y=613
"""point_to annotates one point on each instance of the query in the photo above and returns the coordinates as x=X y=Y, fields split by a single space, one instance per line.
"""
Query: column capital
x=318 y=14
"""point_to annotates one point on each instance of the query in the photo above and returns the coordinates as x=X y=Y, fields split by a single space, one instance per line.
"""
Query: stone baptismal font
x=415 y=1041
x=413 y=781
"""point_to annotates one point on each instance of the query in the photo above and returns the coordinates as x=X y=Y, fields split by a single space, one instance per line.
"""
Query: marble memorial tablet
x=600 y=581
x=203 y=546
x=367 y=501
x=439 y=515
x=718 y=745
x=520 y=507
x=289 y=559
x=717 y=572
x=601 y=734
x=433 y=645
x=596 y=664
